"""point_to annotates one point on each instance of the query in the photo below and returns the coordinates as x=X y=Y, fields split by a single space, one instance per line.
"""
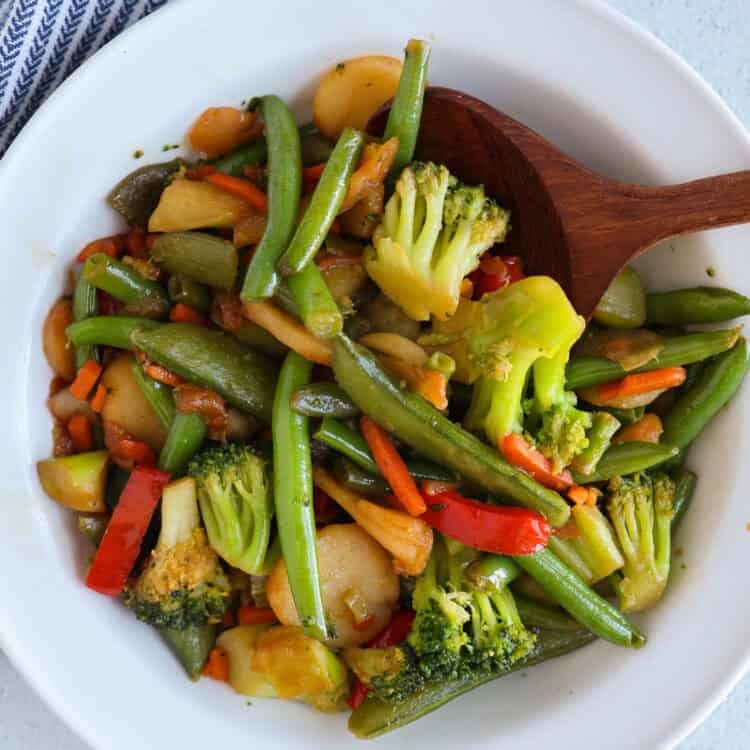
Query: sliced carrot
x=240 y=188
x=85 y=379
x=583 y=495
x=393 y=467
x=199 y=172
x=519 y=453
x=99 y=398
x=255 y=615
x=79 y=429
x=430 y=384
x=111 y=246
x=642 y=382
x=136 y=451
x=157 y=372
x=184 y=314
x=135 y=242
x=647 y=429
x=217 y=666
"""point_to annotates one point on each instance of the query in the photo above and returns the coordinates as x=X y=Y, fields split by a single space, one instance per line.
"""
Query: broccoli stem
x=603 y=428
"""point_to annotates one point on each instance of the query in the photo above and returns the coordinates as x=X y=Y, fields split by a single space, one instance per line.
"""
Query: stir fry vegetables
x=334 y=445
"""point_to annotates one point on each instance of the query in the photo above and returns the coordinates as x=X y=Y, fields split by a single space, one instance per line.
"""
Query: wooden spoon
x=568 y=222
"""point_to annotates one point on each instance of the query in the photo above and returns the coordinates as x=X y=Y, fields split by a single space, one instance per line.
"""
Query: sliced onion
x=63 y=405
x=397 y=346
x=630 y=349
x=591 y=396
x=240 y=426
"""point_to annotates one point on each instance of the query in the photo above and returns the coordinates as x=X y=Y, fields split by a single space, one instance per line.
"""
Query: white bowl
x=582 y=75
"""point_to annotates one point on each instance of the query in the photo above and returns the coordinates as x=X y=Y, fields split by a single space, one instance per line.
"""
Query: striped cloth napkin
x=43 y=41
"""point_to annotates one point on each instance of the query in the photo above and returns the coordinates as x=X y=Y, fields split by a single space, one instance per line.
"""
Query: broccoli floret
x=641 y=511
x=236 y=504
x=391 y=673
x=497 y=342
x=433 y=231
x=182 y=583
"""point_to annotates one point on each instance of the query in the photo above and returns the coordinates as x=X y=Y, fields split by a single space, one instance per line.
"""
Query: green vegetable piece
x=191 y=646
x=259 y=338
x=107 y=330
x=136 y=196
x=284 y=188
x=158 y=395
x=536 y=615
x=234 y=492
x=406 y=109
x=93 y=526
x=425 y=429
x=698 y=404
x=358 y=480
x=184 y=439
x=624 y=303
x=185 y=291
x=315 y=306
x=324 y=205
x=142 y=297
x=492 y=572
x=293 y=496
x=603 y=428
x=84 y=306
x=574 y=596
x=77 y=482
x=685 y=482
x=249 y=155
x=627 y=458
x=702 y=304
x=214 y=360
x=198 y=256
x=323 y=400
x=625 y=416
x=314 y=147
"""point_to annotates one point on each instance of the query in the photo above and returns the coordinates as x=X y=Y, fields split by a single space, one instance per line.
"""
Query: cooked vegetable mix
x=332 y=443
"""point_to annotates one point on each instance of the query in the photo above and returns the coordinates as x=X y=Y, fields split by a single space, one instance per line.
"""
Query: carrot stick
x=157 y=372
x=647 y=429
x=431 y=385
x=98 y=399
x=217 y=666
x=519 y=453
x=85 y=379
x=79 y=429
x=642 y=382
x=184 y=314
x=240 y=188
x=255 y=615
x=111 y=246
x=583 y=495
x=393 y=467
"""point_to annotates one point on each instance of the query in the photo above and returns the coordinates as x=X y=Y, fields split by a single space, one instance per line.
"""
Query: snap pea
x=698 y=404
x=141 y=296
x=323 y=400
x=574 y=596
x=603 y=428
x=136 y=196
x=293 y=497
x=191 y=646
x=685 y=482
x=357 y=479
x=493 y=572
x=158 y=395
x=185 y=291
x=375 y=717
x=624 y=303
x=406 y=109
x=84 y=306
x=676 y=351
x=352 y=445
x=214 y=360
x=186 y=435
x=198 y=256
x=703 y=304
x=627 y=458
x=410 y=418
x=536 y=615
x=317 y=308
x=284 y=187
x=325 y=203
x=107 y=330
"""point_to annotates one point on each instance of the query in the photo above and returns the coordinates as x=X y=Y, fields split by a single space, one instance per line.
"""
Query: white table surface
x=713 y=36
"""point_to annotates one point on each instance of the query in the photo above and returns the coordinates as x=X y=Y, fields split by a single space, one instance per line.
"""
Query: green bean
x=352 y=445
x=107 y=330
x=678 y=350
x=603 y=428
x=84 y=306
x=185 y=291
x=624 y=303
x=375 y=717
x=357 y=479
x=324 y=205
x=323 y=400
x=585 y=605
x=406 y=109
x=627 y=458
x=293 y=497
x=317 y=308
x=259 y=338
x=214 y=360
x=697 y=405
x=284 y=187
x=536 y=615
x=249 y=155
x=191 y=646
x=141 y=296
x=158 y=395
x=283 y=298
x=493 y=572
x=626 y=416
x=198 y=256
x=685 y=482
x=186 y=435
x=699 y=305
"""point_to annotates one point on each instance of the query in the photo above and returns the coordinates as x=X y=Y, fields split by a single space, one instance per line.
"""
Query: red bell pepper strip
x=495 y=272
x=393 y=633
x=490 y=528
x=121 y=543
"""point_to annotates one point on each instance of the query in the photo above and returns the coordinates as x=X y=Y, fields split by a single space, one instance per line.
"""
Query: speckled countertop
x=713 y=36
